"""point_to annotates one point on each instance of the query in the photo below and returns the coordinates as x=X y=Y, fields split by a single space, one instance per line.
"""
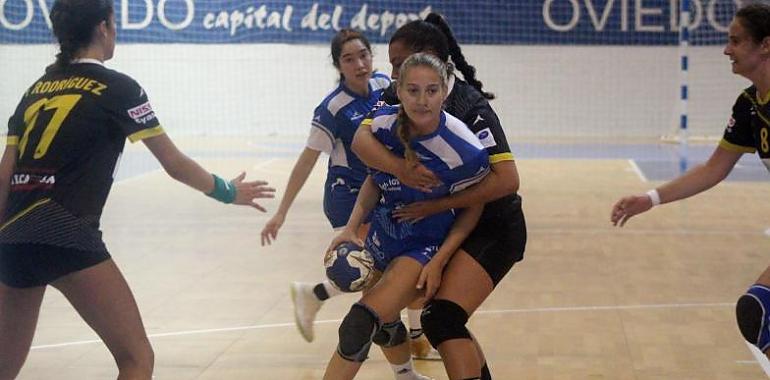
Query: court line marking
x=637 y=170
x=502 y=311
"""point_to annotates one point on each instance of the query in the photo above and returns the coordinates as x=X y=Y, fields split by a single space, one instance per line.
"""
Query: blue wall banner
x=532 y=22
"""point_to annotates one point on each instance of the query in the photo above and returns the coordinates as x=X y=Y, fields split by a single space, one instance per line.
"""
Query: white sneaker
x=306 y=305
x=413 y=375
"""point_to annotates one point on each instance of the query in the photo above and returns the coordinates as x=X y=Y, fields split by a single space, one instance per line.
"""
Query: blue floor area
x=657 y=162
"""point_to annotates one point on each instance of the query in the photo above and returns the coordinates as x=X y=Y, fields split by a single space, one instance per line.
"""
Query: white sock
x=415 y=325
x=403 y=371
x=330 y=289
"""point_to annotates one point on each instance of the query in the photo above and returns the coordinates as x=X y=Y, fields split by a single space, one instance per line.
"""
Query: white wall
x=543 y=91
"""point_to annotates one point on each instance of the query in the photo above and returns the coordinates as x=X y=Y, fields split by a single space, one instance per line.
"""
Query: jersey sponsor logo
x=142 y=113
x=478 y=119
x=25 y=181
x=392 y=184
x=730 y=125
x=486 y=138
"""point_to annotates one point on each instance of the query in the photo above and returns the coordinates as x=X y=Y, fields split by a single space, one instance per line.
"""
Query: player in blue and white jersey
x=334 y=123
x=408 y=253
x=64 y=142
x=747 y=131
x=499 y=239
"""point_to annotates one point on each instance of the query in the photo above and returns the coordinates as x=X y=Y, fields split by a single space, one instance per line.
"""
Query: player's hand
x=629 y=206
x=417 y=176
x=270 y=231
x=347 y=235
x=247 y=191
x=414 y=212
x=430 y=279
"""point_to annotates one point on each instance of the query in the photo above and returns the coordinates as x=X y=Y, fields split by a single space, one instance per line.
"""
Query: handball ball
x=350 y=268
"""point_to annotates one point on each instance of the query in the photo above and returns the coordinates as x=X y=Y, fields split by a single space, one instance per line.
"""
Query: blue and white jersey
x=452 y=152
x=335 y=121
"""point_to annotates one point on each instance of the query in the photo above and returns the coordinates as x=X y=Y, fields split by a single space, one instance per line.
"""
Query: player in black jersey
x=64 y=141
x=498 y=240
x=747 y=131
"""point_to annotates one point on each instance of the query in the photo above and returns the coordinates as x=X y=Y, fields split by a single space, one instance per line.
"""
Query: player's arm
x=430 y=277
x=7 y=166
x=502 y=180
x=299 y=175
x=367 y=198
x=185 y=170
x=694 y=181
x=375 y=155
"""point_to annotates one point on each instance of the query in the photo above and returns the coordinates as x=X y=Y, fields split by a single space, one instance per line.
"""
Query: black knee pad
x=444 y=320
x=390 y=334
x=748 y=313
x=356 y=332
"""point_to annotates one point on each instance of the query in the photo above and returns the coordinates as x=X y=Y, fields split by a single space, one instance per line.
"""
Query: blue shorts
x=762 y=295
x=384 y=253
x=339 y=199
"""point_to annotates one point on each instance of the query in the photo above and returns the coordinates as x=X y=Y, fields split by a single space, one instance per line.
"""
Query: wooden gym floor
x=653 y=300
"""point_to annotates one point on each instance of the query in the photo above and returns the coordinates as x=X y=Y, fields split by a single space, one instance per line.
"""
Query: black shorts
x=31 y=265
x=499 y=239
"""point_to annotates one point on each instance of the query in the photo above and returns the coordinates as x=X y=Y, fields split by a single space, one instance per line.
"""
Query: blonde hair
x=416 y=60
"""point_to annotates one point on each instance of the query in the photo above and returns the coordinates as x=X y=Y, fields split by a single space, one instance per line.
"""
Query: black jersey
x=70 y=129
x=749 y=127
x=466 y=103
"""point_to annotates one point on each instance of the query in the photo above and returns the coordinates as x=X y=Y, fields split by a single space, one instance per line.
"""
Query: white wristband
x=654 y=197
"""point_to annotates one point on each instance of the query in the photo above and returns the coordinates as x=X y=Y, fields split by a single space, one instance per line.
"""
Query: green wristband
x=223 y=191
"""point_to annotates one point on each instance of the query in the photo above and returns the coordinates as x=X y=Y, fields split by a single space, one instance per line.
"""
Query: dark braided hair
x=755 y=17
x=340 y=39
x=434 y=35
x=73 y=23
x=469 y=72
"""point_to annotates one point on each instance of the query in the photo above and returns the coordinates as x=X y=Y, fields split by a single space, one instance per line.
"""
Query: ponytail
x=468 y=71
x=403 y=135
x=73 y=23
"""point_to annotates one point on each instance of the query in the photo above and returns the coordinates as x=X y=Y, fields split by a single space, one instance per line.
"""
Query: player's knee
x=356 y=332
x=136 y=360
x=390 y=334
x=444 y=320
x=751 y=314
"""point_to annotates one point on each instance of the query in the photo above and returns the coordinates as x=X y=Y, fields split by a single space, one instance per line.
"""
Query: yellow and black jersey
x=749 y=127
x=70 y=129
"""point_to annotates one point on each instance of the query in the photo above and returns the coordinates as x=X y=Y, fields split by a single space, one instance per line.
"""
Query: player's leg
x=379 y=307
x=485 y=258
x=445 y=316
x=19 y=310
x=24 y=269
x=101 y=296
x=752 y=313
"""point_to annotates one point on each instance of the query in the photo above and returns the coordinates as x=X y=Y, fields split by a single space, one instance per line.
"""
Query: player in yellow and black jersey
x=748 y=131
x=69 y=129
x=64 y=142
x=749 y=127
